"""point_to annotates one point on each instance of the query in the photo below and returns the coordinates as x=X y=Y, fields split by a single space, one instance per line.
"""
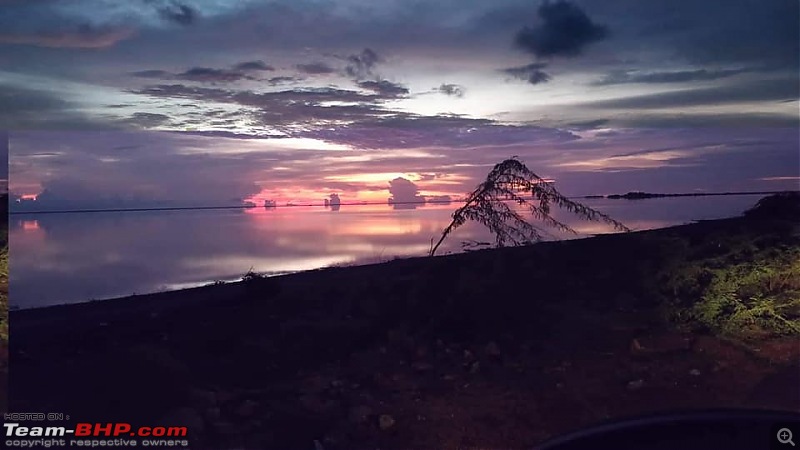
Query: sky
x=212 y=102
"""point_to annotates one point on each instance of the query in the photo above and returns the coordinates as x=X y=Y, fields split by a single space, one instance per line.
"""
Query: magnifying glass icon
x=785 y=436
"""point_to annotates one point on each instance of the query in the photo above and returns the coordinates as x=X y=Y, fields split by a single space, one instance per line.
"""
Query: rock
x=694 y=372
x=660 y=344
x=475 y=367
x=318 y=445
x=635 y=385
x=359 y=414
x=385 y=421
x=448 y=377
x=636 y=346
x=336 y=384
x=246 y=409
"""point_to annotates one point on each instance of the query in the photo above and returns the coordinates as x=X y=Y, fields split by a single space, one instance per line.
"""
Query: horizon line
x=364 y=203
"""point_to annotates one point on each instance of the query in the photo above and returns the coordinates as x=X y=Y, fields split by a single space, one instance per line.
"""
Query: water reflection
x=62 y=258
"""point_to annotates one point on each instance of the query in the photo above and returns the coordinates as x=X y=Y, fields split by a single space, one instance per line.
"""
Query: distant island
x=638 y=195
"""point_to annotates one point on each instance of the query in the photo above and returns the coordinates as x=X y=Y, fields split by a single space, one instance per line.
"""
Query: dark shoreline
x=638 y=195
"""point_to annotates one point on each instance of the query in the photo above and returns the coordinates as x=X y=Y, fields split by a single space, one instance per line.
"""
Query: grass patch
x=752 y=299
x=743 y=285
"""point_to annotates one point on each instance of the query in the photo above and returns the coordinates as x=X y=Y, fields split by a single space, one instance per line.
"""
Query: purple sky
x=151 y=102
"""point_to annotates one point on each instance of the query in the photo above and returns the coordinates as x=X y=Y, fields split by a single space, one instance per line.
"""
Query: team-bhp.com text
x=123 y=433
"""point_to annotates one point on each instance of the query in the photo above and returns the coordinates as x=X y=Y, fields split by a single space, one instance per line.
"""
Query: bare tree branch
x=512 y=181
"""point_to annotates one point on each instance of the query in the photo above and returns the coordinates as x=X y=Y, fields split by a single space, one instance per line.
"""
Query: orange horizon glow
x=30 y=225
x=371 y=194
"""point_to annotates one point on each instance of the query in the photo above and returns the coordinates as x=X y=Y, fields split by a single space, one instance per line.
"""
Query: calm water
x=66 y=258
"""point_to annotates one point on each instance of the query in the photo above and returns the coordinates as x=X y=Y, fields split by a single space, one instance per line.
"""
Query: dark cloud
x=207 y=74
x=23 y=108
x=404 y=194
x=753 y=91
x=316 y=68
x=84 y=36
x=147 y=120
x=160 y=74
x=532 y=73
x=454 y=90
x=565 y=30
x=274 y=81
x=681 y=76
x=589 y=124
x=384 y=87
x=361 y=65
x=253 y=65
x=751 y=32
x=682 y=121
x=286 y=107
x=177 y=12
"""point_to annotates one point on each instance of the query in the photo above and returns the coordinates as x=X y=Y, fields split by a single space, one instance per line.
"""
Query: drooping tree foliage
x=511 y=181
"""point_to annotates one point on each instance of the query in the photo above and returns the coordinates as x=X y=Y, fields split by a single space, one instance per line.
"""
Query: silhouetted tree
x=512 y=181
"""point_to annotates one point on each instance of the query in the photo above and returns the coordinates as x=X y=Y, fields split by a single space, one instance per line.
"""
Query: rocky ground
x=492 y=349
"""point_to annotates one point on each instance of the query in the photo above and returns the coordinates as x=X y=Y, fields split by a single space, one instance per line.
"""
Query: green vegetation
x=744 y=285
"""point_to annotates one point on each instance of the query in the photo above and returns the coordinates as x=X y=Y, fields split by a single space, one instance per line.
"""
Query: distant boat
x=270 y=204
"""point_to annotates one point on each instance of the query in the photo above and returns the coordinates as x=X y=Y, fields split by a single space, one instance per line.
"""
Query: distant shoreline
x=637 y=195
x=634 y=195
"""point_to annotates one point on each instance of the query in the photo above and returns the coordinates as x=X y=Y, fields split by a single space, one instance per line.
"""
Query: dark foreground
x=492 y=349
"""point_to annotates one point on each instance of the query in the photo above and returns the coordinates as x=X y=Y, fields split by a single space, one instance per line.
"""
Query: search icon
x=785 y=436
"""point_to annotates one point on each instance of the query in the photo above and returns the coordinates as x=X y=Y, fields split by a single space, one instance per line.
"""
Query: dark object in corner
x=698 y=430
